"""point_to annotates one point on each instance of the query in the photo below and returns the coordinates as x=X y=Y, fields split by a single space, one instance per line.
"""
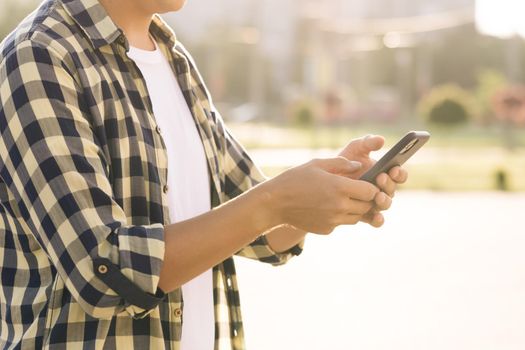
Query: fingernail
x=395 y=172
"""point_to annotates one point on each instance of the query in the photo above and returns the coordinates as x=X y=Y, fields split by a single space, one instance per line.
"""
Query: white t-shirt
x=188 y=184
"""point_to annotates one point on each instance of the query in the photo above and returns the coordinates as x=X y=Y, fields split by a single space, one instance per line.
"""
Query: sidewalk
x=447 y=271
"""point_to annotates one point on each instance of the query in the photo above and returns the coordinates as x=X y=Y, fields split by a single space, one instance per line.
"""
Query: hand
x=359 y=149
x=320 y=195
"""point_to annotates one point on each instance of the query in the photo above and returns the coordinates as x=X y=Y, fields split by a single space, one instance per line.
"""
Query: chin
x=170 y=5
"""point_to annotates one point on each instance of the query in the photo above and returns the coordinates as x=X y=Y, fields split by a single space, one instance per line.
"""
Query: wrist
x=267 y=213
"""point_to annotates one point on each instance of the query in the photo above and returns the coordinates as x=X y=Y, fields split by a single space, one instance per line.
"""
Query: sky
x=502 y=18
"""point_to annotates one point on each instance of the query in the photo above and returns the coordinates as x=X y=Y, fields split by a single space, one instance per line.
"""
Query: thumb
x=362 y=146
x=373 y=142
x=339 y=165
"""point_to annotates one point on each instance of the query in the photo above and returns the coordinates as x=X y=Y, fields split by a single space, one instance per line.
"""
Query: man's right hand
x=314 y=197
x=319 y=196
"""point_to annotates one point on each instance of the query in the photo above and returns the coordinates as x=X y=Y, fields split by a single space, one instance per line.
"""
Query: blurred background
x=308 y=76
x=297 y=79
x=327 y=71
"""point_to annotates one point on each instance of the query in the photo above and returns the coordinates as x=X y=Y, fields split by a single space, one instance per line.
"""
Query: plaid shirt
x=83 y=173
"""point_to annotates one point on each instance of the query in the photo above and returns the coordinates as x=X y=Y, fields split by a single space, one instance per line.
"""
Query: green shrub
x=304 y=117
x=302 y=114
x=447 y=105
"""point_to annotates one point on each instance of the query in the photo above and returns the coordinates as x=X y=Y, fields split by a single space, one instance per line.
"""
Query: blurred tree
x=490 y=82
x=448 y=105
x=509 y=105
x=302 y=113
x=460 y=54
x=12 y=12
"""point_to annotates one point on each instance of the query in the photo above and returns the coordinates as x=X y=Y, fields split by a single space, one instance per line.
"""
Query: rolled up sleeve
x=54 y=166
x=261 y=250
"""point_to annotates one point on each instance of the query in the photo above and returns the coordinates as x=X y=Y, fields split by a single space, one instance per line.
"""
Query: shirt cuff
x=111 y=275
x=277 y=258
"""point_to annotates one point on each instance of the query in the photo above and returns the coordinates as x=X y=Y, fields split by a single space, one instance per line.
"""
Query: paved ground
x=447 y=271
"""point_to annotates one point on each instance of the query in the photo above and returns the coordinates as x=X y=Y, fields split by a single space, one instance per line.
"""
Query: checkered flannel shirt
x=83 y=173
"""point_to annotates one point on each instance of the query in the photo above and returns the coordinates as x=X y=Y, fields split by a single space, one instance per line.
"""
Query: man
x=124 y=196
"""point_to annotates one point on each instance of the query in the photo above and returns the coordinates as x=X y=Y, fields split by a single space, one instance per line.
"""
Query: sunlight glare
x=501 y=18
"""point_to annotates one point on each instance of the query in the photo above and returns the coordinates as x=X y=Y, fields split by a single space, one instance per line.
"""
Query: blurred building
x=319 y=49
x=354 y=59
x=279 y=19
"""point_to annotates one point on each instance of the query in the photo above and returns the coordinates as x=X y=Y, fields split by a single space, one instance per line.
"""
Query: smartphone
x=397 y=155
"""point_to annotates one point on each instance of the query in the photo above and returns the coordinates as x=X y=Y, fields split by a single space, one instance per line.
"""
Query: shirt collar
x=162 y=32
x=96 y=24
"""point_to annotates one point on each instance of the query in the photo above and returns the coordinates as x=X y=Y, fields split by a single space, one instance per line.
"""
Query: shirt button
x=178 y=312
x=157 y=129
x=165 y=188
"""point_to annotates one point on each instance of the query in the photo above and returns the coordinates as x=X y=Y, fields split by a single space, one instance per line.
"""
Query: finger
x=386 y=184
x=357 y=189
x=378 y=220
x=363 y=146
x=349 y=219
x=383 y=201
x=398 y=174
x=373 y=142
x=367 y=144
x=338 y=165
x=374 y=219
x=357 y=207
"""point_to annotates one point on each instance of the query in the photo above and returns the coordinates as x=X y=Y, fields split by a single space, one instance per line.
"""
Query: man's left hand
x=359 y=150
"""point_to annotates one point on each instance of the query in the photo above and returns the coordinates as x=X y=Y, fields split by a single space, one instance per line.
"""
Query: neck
x=133 y=20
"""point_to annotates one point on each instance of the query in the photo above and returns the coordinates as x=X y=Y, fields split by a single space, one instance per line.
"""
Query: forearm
x=195 y=245
x=282 y=238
